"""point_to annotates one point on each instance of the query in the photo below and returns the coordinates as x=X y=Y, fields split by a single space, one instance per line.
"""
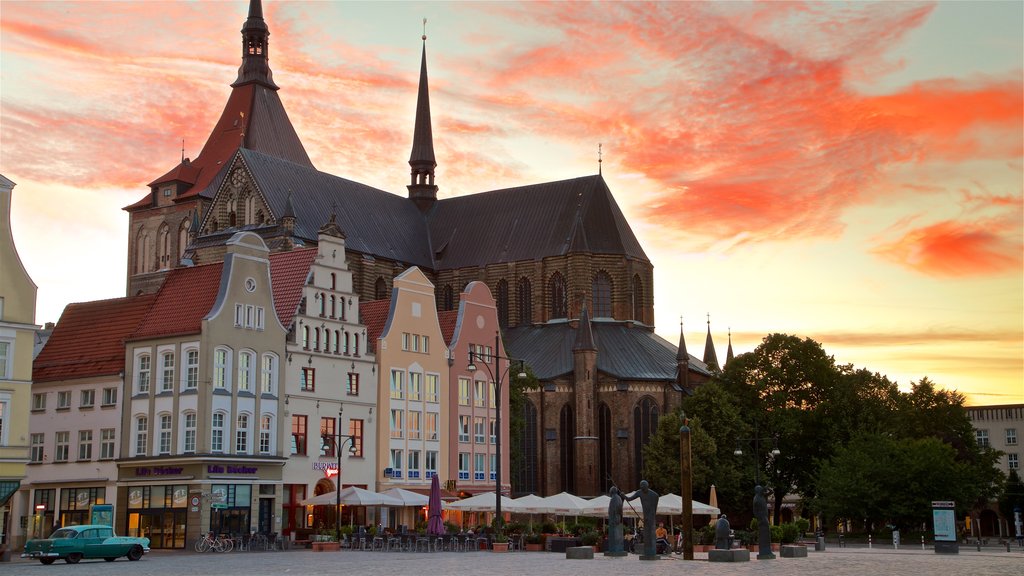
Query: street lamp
x=760 y=505
x=338 y=440
x=496 y=374
x=756 y=443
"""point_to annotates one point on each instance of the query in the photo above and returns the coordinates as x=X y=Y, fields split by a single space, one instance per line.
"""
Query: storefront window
x=75 y=502
x=231 y=512
x=158 y=513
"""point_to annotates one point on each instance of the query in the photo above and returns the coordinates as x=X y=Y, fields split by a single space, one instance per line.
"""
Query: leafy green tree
x=517 y=389
x=1012 y=496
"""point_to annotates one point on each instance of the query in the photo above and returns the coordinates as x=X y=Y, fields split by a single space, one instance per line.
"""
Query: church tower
x=422 y=189
x=584 y=354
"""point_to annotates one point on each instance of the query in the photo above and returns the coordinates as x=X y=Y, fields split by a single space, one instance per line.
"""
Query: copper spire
x=421 y=161
x=255 y=66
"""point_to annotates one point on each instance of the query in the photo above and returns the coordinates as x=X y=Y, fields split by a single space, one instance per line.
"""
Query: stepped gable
x=375 y=222
x=374 y=315
x=88 y=340
x=625 y=352
x=289 y=272
x=530 y=223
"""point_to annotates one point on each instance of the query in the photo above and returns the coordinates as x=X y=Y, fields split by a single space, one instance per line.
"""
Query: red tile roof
x=447 y=320
x=288 y=273
x=88 y=340
x=374 y=314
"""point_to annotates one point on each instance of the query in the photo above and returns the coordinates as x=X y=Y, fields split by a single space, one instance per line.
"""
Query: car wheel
x=73 y=558
x=47 y=561
x=110 y=559
x=135 y=553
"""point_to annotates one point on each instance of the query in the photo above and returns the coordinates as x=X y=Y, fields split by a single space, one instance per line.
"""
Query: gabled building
x=17 y=333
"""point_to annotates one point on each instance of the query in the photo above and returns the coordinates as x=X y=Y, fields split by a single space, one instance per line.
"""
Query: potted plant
x=500 y=542
x=534 y=542
x=589 y=538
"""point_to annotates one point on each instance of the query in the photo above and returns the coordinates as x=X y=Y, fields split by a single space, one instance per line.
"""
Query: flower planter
x=326 y=546
x=538 y=547
x=499 y=547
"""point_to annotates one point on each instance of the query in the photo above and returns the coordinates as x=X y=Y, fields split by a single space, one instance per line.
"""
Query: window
x=109 y=396
x=85 y=444
x=491 y=425
x=556 y=292
x=141 y=435
x=493 y=396
x=431 y=426
x=463 y=428
x=431 y=464
x=481 y=393
x=87 y=399
x=260 y=313
x=305 y=337
x=61 y=452
x=266 y=430
x=414 y=464
x=380 y=292
x=396 y=463
x=982 y=437
x=355 y=430
x=167 y=372
x=165 y=434
x=242 y=434
x=217 y=433
x=353 y=384
x=299 y=435
x=220 y=368
x=396 y=384
x=327 y=430
x=142 y=374
x=5 y=418
x=250 y=316
x=1011 y=436
x=525 y=301
x=5 y=354
x=638 y=299
x=190 y=432
x=478 y=430
x=479 y=472
x=405 y=341
x=239 y=315
x=38 y=447
x=464 y=391
x=307 y=383
x=396 y=423
x=63 y=400
x=501 y=301
x=463 y=465
x=447 y=299
x=425 y=348
x=268 y=374
x=602 y=295
x=39 y=401
x=1012 y=462
x=191 y=369
x=107 y=442
x=246 y=365
x=414 y=385
x=494 y=466
x=431 y=390
x=414 y=425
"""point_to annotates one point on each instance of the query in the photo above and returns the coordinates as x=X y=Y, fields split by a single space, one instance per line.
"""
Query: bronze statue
x=649 y=501
x=615 y=541
x=722 y=532
x=764 y=529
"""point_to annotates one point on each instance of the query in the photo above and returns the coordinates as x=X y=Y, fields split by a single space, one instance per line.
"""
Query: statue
x=722 y=531
x=649 y=501
x=764 y=529
x=615 y=540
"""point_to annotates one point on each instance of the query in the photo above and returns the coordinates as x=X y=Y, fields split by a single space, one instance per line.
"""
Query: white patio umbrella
x=353 y=496
x=563 y=503
x=408 y=497
x=526 y=505
x=483 y=502
x=668 y=505
x=597 y=507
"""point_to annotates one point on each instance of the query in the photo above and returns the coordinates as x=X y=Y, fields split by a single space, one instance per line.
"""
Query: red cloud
x=952 y=248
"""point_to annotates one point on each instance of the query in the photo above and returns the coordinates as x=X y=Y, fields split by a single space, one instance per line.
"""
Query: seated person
x=662 y=545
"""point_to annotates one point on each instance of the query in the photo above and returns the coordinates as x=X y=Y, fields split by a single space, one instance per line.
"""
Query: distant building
x=998 y=427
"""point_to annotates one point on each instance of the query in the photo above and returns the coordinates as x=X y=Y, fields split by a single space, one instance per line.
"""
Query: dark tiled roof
x=529 y=223
x=185 y=298
x=373 y=315
x=288 y=273
x=88 y=340
x=447 y=319
x=375 y=222
x=623 y=351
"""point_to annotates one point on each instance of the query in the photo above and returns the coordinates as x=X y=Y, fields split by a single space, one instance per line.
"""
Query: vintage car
x=73 y=543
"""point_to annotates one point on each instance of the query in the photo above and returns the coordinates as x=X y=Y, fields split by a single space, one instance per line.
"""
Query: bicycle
x=215 y=543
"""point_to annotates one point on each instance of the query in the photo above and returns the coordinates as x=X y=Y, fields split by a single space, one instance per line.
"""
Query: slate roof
x=529 y=223
x=623 y=351
x=88 y=340
x=373 y=315
x=375 y=222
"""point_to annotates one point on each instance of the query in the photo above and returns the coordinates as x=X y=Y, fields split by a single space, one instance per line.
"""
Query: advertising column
x=944 y=519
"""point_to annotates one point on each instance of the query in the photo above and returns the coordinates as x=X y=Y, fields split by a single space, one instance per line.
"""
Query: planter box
x=326 y=546
x=499 y=547
x=534 y=547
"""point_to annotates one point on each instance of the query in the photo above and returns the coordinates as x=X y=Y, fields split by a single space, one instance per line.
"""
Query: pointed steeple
x=710 y=358
x=682 y=360
x=422 y=190
x=682 y=355
x=255 y=68
x=584 y=334
x=728 y=353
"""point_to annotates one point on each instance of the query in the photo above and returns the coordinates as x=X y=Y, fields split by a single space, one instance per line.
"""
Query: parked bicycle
x=213 y=542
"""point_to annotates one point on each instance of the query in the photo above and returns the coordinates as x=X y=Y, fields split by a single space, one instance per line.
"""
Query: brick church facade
x=573 y=286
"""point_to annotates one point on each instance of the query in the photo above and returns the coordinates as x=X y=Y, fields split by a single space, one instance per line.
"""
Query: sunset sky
x=846 y=172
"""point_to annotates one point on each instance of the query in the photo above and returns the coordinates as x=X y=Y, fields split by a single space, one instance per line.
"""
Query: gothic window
x=525 y=301
x=556 y=290
x=380 y=289
x=249 y=214
x=567 y=451
x=525 y=468
x=163 y=247
x=141 y=250
x=183 y=230
x=638 y=299
x=446 y=298
x=502 y=303
x=604 y=438
x=602 y=295
x=645 y=423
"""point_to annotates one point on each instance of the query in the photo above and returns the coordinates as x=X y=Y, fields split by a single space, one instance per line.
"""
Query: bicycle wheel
x=229 y=545
x=202 y=544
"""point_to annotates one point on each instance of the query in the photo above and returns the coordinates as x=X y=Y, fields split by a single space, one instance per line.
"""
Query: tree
x=1012 y=497
x=517 y=388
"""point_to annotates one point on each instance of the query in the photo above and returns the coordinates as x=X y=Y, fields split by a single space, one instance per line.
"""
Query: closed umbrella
x=713 y=502
x=435 y=525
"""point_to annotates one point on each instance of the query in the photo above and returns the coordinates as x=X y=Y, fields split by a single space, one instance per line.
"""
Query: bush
x=589 y=538
x=451 y=528
x=743 y=537
x=533 y=538
x=803 y=525
x=790 y=532
x=776 y=533
x=705 y=535
x=548 y=527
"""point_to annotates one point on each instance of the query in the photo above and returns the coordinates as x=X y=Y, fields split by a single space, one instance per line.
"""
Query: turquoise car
x=74 y=543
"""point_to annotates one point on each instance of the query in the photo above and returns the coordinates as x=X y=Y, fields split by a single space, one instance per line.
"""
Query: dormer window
x=167 y=192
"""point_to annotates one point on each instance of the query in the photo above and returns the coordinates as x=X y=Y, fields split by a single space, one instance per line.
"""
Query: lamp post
x=338 y=440
x=760 y=504
x=756 y=442
x=496 y=374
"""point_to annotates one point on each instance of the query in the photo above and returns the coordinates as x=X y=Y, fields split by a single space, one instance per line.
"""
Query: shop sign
x=158 y=470
x=217 y=469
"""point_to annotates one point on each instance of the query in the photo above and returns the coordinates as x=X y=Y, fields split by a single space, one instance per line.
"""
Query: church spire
x=682 y=360
x=585 y=334
x=255 y=68
x=422 y=190
x=728 y=354
x=710 y=358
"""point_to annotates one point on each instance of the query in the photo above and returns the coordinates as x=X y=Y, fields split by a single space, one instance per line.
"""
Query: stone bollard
x=869 y=541
x=922 y=542
x=579 y=553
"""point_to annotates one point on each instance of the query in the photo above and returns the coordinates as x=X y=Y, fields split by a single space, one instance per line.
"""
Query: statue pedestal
x=734 y=555
x=618 y=554
x=646 y=557
x=766 y=556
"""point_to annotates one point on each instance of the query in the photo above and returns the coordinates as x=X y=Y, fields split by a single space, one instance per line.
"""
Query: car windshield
x=63 y=533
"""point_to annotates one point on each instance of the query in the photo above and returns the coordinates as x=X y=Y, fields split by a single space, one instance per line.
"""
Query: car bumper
x=38 y=554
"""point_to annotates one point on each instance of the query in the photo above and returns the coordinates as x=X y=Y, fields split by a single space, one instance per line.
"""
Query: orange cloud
x=953 y=248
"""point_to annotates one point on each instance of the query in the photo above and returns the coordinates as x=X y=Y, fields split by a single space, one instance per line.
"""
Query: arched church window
x=524 y=298
x=604 y=439
x=249 y=214
x=183 y=230
x=447 y=300
x=380 y=289
x=163 y=247
x=556 y=290
x=567 y=448
x=502 y=303
x=638 y=298
x=645 y=423
x=602 y=294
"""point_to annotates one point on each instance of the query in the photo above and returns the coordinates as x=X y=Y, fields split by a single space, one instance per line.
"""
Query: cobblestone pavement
x=834 y=562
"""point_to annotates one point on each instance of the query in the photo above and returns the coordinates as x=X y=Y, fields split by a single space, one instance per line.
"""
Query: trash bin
x=819 y=544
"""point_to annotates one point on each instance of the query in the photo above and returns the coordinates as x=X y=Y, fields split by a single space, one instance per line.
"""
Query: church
x=572 y=285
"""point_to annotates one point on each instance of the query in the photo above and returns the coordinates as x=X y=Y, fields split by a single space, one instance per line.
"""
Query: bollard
x=922 y=542
x=869 y=541
x=978 y=542
x=1007 y=545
